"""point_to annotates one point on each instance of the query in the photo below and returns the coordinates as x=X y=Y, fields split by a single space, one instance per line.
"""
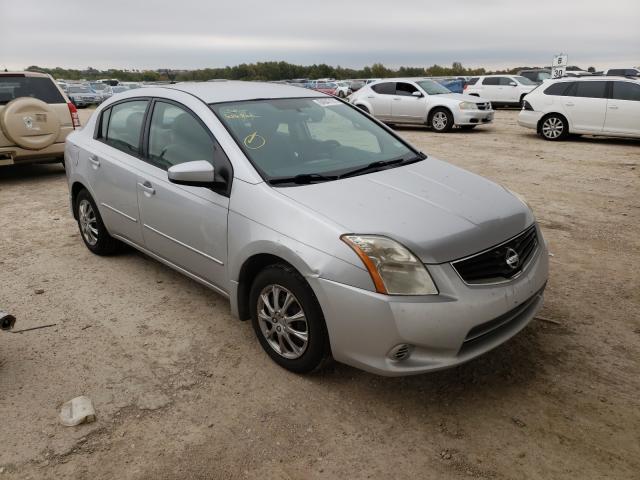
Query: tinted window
x=386 y=88
x=42 y=88
x=405 y=89
x=472 y=81
x=626 y=91
x=491 y=81
x=590 y=89
x=175 y=136
x=125 y=125
x=559 y=88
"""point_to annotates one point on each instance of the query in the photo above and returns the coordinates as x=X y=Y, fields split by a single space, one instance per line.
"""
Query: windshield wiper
x=380 y=164
x=303 y=179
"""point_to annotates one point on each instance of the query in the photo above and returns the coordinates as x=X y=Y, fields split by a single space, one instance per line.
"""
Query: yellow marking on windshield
x=254 y=141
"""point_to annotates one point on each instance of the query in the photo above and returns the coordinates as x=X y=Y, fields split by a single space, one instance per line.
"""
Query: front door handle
x=397 y=98
x=613 y=107
x=569 y=104
x=147 y=187
x=94 y=160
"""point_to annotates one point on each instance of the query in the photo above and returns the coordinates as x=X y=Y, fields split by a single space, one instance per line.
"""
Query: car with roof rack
x=321 y=225
x=591 y=105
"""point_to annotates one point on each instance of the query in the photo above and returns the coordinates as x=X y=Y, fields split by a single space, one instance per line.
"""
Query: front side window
x=405 y=89
x=125 y=126
x=386 y=88
x=175 y=136
x=626 y=91
x=590 y=89
x=290 y=137
x=432 y=87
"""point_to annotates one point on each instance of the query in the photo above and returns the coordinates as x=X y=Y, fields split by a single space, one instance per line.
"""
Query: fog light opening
x=400 y=352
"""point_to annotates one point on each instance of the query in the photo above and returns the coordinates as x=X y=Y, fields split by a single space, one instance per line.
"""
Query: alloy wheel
x=283 y=321
x=439 y=120
x=88 y=222
x=552 y=127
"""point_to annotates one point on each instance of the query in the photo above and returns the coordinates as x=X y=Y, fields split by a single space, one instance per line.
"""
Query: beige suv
x=35 y=118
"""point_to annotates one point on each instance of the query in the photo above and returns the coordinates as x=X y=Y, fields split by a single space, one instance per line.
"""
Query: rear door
x=183 y=224
x=111 y=166
x=407 y=108
x=623 y=108
x=380 y=99
x=586 y=104
x=492 y=90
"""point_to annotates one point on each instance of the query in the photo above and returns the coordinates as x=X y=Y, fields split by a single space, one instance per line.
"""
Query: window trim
x=96 y=133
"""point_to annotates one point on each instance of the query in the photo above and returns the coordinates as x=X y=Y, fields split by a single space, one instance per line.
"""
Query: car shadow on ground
x=32 y=171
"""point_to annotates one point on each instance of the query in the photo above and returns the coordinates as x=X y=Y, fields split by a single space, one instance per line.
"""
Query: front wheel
x=554 y=127
x=441 y=120
x=288 y=320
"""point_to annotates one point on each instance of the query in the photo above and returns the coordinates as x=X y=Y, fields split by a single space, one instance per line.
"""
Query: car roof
x=598 y=77
x=24 y=74
x=233 y=91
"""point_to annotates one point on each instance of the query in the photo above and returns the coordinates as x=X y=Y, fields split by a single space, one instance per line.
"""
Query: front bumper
x=442 y=330
x=473 y=117
x=529 y=119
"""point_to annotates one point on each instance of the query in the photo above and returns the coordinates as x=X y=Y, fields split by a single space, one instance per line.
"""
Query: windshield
x=98 y=86
x=79 y=90
x=322 y=136
x=524 y=80
x=432 y=87
x=544 y=76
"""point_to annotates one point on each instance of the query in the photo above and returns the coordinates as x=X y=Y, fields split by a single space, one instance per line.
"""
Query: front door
x=184 y=225
x=406 y=107
x=623 y=109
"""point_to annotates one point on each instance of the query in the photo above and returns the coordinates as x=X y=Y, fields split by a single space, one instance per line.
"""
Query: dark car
x=537 y=75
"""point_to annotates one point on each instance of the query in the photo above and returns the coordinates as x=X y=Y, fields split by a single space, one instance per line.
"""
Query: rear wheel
x=554 y=127
x=288 y=320
x=441 y=120
x=92 y=229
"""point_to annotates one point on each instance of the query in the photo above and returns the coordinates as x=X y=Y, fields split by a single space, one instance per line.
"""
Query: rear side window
x=559 y=88
x=386 y=88
x=626 y=91
x=590 y=89
x=42 y=88
x=405 y=89
x=472 y=81
x=491 y=81
x=125 y=125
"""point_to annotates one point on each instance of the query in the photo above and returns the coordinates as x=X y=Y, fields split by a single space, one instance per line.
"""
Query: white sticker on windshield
x=327 y=102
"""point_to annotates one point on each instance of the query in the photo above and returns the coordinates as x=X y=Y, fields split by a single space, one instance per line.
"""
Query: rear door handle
x=397 y=98
x=613 y=107
x=147 y=187
x=569 y=104
x=94 y=160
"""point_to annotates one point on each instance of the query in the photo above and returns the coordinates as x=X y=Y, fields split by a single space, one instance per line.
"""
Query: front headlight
x=393 y=268
x=467 y=106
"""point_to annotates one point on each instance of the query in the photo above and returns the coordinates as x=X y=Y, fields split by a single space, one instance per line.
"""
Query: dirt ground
x=182 y=390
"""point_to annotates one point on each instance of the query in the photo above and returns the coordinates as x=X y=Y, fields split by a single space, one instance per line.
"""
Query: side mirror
x=513 y=84
x=199 y=173
x=417 y=94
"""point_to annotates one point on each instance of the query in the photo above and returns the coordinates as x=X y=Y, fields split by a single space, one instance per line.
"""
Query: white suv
x=592 y=105
x=422 y=101
x=501 y=90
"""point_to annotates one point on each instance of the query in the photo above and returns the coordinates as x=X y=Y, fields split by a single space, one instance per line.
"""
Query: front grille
x=484 y=106
x=499 y=263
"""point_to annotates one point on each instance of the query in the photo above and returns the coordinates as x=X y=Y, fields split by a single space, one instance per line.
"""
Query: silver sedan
x=332 y=234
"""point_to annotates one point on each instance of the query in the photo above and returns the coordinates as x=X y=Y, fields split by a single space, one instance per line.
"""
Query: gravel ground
x=183 y=390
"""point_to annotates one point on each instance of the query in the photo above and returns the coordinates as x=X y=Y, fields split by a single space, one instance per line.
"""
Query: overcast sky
x=351 y=33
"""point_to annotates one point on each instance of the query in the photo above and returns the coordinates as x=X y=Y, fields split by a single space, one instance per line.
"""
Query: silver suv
x=320 y=224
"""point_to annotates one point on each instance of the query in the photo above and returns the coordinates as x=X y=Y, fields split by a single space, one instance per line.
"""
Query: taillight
x=465 y=87
x=527 y=106
x=74 y=115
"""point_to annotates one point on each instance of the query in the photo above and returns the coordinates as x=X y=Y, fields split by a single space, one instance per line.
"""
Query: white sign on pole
x=559 y=65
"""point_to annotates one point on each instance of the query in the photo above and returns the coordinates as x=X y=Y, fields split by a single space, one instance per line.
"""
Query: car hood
x=439 y=211
x=460 y=97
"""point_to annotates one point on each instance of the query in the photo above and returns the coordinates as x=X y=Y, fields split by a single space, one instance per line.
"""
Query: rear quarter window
x=42 y=88
x=559 y=88
x=386 y=88
x=473 y=81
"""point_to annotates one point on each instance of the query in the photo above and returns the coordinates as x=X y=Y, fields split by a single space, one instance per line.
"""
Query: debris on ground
x=548 y=320
x=39 y=291
x=76 y=411
x=35 y=328
x=7 y=321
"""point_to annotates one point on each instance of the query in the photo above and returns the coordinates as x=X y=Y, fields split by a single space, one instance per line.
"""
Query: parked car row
x=83 y=94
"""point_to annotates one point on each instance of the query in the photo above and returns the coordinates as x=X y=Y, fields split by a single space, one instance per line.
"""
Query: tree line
x=266 y=71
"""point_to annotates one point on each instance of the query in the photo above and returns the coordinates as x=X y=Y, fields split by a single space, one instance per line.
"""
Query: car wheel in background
x=441 y=120
x=92 y=229
x=363 y=108
x=553 y=127
x=288 y=320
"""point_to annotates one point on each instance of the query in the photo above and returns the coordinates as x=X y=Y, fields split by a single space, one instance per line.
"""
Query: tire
x=554 y=127
x=287 y=349
x=92 y=230
x=363 y=108
x=467 y=127
x=441 y=120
